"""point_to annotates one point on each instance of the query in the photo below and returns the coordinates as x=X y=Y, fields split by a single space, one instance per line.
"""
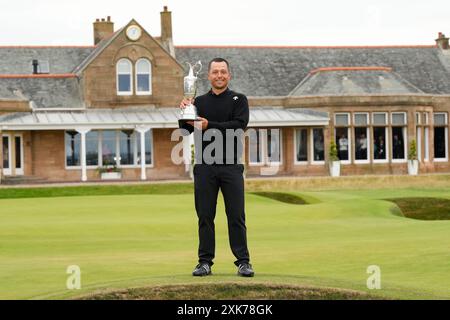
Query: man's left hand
x=199 y=123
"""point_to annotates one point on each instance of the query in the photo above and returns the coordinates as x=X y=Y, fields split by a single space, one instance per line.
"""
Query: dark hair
x=218 y=60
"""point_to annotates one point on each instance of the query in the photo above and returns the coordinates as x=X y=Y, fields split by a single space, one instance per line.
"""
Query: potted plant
x=110 y=171
x=335 y=163
x=413 y=162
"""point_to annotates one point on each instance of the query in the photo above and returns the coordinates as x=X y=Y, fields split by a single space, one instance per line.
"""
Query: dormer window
x=124 y=78
x=143 y=77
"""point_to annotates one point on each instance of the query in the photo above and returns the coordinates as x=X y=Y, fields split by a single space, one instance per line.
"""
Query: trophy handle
x=192 y=68
x=198 y=63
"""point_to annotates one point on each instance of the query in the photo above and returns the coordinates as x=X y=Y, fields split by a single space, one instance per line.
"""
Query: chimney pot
x=442 y=41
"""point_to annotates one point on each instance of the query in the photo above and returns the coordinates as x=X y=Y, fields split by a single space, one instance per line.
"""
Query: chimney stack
x=103 y=29
x=166 y=31
x=442 y=41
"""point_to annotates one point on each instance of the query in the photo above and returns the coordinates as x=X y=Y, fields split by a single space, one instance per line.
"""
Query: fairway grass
x=138 y=240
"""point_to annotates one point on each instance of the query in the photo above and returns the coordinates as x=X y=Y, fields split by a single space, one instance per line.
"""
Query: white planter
x=111 y=175
x=335 y=168
x=413 y=167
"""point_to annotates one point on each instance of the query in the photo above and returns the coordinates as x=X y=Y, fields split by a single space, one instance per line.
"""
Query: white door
x=8 y=160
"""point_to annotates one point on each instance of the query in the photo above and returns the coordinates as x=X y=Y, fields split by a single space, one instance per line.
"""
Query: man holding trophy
x=219 y=111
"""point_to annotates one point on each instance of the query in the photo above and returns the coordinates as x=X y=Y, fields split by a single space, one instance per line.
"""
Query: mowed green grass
x=136 y=240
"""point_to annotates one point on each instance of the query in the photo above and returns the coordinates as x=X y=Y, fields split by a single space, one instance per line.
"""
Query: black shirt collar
x=226 y=92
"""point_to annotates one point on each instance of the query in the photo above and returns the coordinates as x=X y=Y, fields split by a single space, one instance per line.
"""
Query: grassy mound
x=282 y=197
x=424 y=208
x=231 y=291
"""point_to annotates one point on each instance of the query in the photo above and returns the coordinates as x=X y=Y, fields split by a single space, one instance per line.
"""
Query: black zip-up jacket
x=228 y=110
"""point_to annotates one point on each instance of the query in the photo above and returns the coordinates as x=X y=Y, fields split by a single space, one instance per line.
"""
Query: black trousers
x=208 y=179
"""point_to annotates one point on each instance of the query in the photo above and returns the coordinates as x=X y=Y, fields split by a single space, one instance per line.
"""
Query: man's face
x=219 y=75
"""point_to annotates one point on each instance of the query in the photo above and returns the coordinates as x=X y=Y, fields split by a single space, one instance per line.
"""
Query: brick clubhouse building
x=66 y=112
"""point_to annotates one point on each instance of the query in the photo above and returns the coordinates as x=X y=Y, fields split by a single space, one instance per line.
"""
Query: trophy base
x=182 y=122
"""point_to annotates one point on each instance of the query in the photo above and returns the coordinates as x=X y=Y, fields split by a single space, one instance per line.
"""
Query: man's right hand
x=186 y=102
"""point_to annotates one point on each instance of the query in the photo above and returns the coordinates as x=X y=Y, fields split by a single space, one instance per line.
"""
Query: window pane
x=379 y=144
x=73 y=143
x=361 y=144
x=255 y=148
x=108 y=147
x=379 y=118
x=342 y=143
x=361 y=119
x=318 y=145
x=18 y=152
x=143 y=66
x=439 y=142
x=302 y=144
x=124 y=82
x=148 y=147
x=398 y=143
x=124 y=66
x=417 y=118
x=398 y=119
x=143 y=82
x=439 y=119
x=342 y=120
x=92 y=148
x=127 y=141
x=5 y=153
x=273 y=145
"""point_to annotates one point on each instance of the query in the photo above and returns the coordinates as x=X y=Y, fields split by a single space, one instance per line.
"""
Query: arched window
x=124 y=78
x=143 y=77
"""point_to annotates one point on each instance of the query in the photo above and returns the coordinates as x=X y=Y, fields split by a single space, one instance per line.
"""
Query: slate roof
x=276 y=71
x=354 y=81
x=44 y=92
x=18 y=60
x=257 y=71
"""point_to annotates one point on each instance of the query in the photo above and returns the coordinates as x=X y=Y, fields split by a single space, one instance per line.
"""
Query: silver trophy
x=189 y=113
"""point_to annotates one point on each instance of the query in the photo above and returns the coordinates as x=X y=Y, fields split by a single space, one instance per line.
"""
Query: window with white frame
x=301 y=145
x=398 y=143
x=426 y=138
x=274 y=145
x=108 y=147
x=92 y=146
x=379 y=144
x=143 y=77
x=440 y=136
x=73 y=143
x=6 y=151
x=264 y=146
x=109 y=144
x=127 y=143
x=255 y=148
x=342 y=136
x=362 y=137
x=318 y=145
x=124 y=79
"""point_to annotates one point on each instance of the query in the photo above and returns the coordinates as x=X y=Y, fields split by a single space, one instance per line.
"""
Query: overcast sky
x=238 y=22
